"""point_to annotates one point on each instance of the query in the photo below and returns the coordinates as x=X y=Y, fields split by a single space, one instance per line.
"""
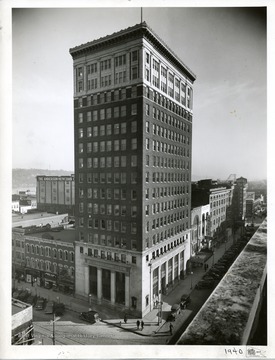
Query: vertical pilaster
x=86 y=280
x=99 y=284
x=127 y=290
x=113 y=286
x=173 y=269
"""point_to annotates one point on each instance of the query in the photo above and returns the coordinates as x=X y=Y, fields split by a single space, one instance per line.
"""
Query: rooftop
x=226 y=316
x=18 y=306
x=67 y=236
x=38 y=215
x=135 y=31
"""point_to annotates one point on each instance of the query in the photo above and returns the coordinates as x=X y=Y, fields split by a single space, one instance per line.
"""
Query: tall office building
x=133 y=133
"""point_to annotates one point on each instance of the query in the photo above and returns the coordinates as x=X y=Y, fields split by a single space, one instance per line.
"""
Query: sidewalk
x=151 y=325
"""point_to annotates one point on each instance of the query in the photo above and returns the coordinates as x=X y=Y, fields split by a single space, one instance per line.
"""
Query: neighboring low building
x=250 y=198
x=15 y=203
x=55 y=194
x=27 y=204
x=18 y=253
x=219 y=197
x=23 y=202
x=239 y=199
x=22 y=323
x=200 y=230
x=50 y=259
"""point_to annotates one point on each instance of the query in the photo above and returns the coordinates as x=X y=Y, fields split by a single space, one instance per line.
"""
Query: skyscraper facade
x=133 y=134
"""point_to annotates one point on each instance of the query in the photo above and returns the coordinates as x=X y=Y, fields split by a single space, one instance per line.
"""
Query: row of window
x=163 y=147
x=106 y=80
x=120 y=194
x=121 y=161
x=164 y=177
x=120 y=210
x=166 y=234
x=162 y=250
x=110 y=129
x=108 y=255
x=107 y=113
x=48 y=266
x=50 y=252
x=167 y=133
x=163 y=162
x=167 y=103
x=106 y=97
x=116 y=241
x=166 y=220
x=114 y=225
x=119 y=60
x=219 y=202
x=218 y=211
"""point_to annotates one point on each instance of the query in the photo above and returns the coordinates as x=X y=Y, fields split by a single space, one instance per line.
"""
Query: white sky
x=224 y=47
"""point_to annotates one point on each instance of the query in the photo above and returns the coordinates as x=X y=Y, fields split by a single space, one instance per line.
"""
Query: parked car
x=175 y=310
x=16 y=294
x=40 y=304
x=31 y=300
x=24 y=295
x=90 y=316
x=184 y=301
x=59 y=309
x=49 y=307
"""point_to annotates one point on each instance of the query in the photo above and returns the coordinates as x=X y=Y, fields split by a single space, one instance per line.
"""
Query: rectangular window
x=134 y=109
x=134 y=144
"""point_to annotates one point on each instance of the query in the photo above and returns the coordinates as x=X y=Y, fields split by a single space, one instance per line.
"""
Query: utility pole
x=53 y=321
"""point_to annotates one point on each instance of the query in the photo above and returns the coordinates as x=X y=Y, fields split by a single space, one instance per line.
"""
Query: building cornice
x=141 y=30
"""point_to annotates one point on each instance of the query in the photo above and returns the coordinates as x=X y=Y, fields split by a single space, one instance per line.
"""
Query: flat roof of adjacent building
x=37 y=218
x=227 y=315
x=66 y=235
x=18 y=306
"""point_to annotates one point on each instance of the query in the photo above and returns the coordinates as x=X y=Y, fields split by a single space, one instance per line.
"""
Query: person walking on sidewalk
x=142 y=324
x=125 y=319
x=171 y=328
x=138 y=323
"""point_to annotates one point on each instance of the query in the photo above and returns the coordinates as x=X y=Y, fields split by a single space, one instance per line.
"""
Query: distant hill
x=26 y=178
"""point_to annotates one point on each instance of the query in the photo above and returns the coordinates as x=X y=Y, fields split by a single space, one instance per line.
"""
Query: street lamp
x=160 y=308
x=150 y=265
x=53 y=321
x=191 y=273
x=90 y=302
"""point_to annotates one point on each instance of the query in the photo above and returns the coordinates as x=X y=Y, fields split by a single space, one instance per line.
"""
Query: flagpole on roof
x=141 y=14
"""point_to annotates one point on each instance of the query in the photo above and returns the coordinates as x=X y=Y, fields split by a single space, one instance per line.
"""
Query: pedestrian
x=125 y=319
x=142 y=324
x=120 y=323
x=171 y=329
x=138 y=323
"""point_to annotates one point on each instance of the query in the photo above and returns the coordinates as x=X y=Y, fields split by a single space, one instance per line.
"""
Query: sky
x=224 y=47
